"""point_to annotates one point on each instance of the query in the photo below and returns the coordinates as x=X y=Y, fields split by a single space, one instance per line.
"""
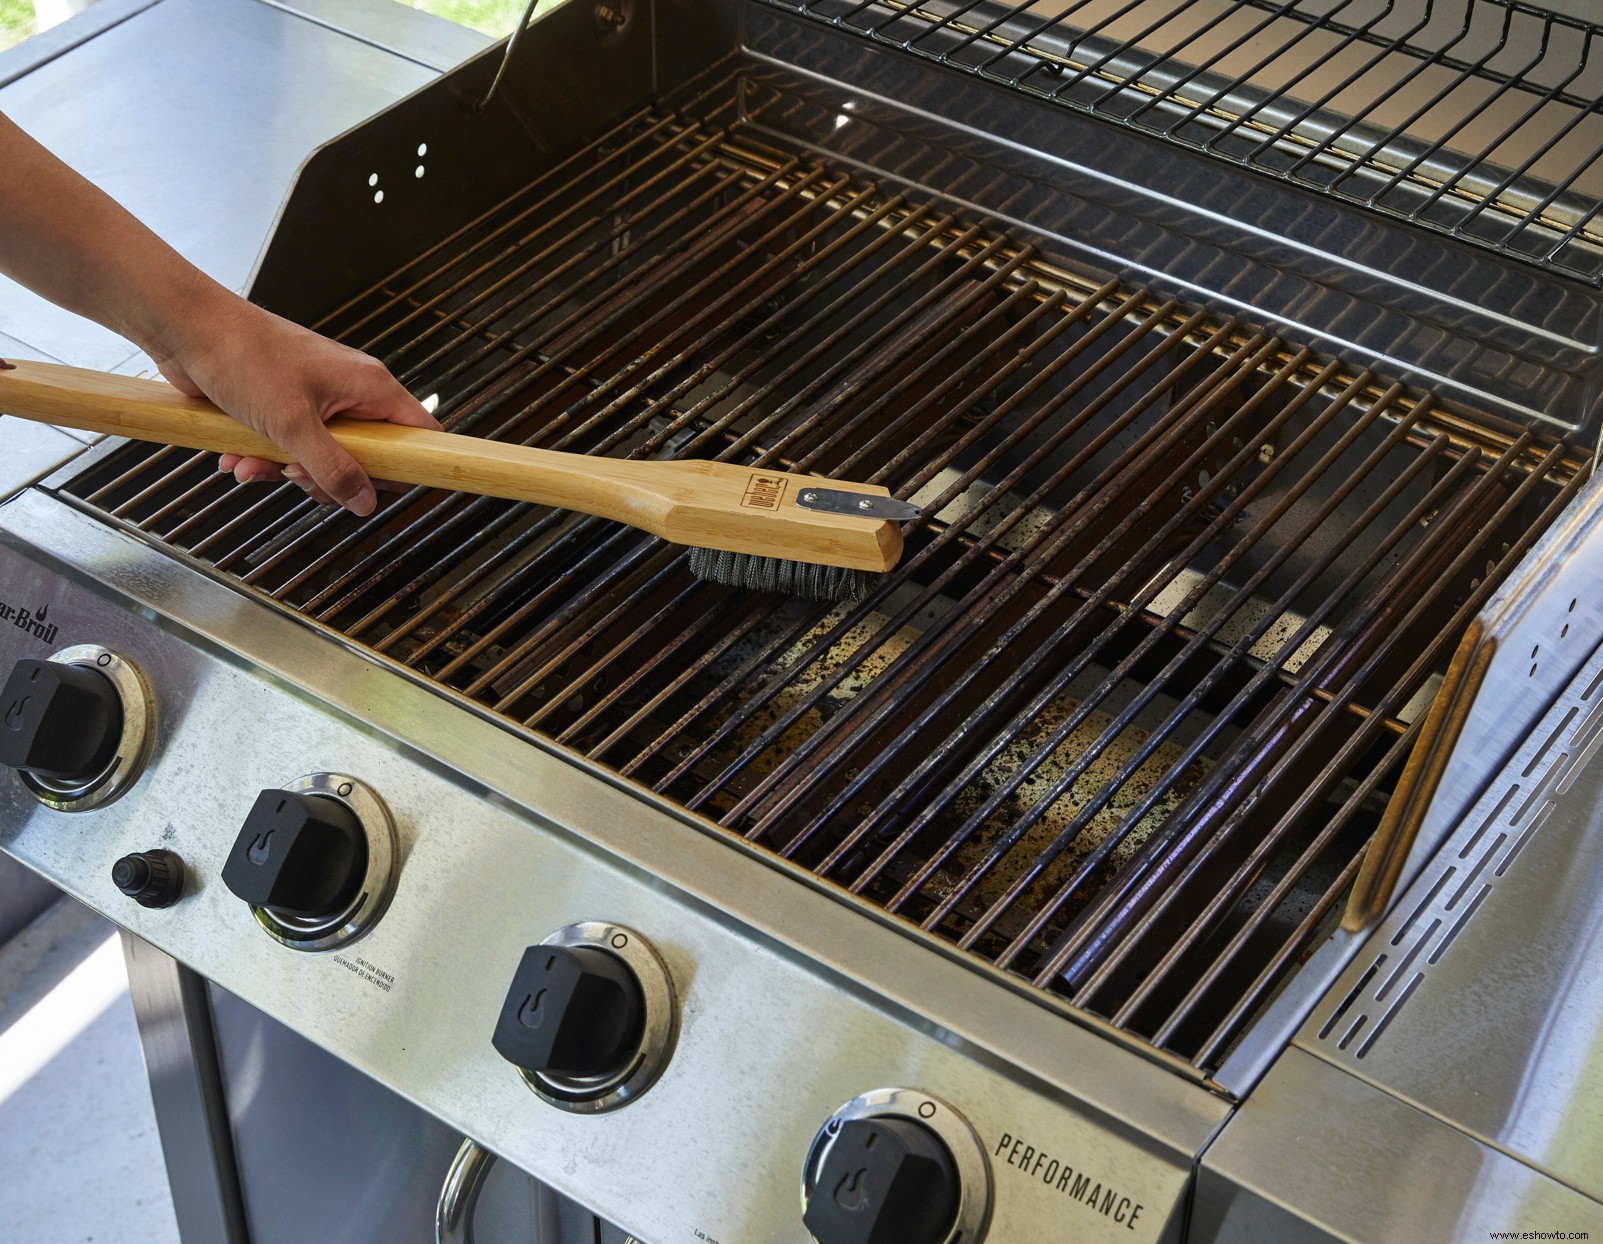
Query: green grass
x=494 y=17
x=16 y=21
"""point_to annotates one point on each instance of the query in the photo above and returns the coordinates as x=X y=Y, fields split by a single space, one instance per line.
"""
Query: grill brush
x=747 y=527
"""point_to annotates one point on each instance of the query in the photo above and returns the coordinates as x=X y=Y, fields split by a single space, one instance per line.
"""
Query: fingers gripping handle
x=714 y=505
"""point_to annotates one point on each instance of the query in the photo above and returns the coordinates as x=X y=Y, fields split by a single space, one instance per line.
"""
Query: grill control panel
x=762 y=1004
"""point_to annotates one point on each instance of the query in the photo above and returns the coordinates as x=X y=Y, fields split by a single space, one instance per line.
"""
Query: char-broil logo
x=35 y=621
x=764 y=492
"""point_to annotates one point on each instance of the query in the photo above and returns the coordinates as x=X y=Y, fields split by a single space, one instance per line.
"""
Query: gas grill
x=1252 y=436
x=1181 y=584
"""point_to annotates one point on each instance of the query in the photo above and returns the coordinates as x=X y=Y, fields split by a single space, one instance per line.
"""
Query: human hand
x=285 y=382
x=65 y=239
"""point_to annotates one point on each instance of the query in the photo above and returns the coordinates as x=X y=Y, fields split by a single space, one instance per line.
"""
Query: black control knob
x=884 y=1181
x=572 y=1013
x=151 y=878
x=298 y=855
x=60 y=722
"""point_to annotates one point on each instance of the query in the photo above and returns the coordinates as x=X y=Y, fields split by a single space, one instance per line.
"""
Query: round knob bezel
x=378 y=882
x=597 y=1094
x=133 y=747
x=951 y=1128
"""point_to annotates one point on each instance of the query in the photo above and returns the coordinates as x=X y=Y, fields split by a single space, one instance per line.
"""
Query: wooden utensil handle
x=696 y=502
x=149 y=410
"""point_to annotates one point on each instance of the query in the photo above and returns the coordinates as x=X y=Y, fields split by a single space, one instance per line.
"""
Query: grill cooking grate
x=1123 y=719
x=1479 y=119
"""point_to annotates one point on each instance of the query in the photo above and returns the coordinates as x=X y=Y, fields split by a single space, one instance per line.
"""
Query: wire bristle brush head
x=776 y=574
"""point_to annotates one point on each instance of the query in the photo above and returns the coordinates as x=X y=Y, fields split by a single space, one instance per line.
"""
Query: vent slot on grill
x=1474 y=118
x=1125 y=716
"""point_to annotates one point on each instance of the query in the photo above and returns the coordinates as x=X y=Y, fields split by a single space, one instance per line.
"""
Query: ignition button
x=151 y=878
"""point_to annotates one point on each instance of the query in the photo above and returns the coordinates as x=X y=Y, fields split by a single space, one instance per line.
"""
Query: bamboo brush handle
x=716 y=505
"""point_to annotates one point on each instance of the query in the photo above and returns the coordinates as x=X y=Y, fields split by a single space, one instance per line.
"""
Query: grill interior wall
x=1124 y=718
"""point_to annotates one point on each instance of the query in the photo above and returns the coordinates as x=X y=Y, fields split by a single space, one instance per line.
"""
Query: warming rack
x=1478 y=119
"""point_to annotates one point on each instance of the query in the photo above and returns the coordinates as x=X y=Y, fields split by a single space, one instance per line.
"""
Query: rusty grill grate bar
x=1474 y=118
x=1121 y=722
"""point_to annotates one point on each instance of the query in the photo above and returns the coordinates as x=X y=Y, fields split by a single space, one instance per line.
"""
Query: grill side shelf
x=1476 y=998
x=1470 y=866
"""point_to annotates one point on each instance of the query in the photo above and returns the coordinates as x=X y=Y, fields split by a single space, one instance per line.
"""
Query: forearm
x=69 y=242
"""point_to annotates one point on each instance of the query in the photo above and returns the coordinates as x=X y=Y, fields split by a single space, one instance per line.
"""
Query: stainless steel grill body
x=1215 y=494
x=1123 y=718
x=792 y=1002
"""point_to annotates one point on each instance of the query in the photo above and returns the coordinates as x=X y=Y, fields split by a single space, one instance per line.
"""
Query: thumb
x=384 y=398
x=174 y=374
x=332 y=469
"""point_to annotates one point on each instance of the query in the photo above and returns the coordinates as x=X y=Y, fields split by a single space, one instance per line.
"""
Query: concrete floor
x=80 y=1161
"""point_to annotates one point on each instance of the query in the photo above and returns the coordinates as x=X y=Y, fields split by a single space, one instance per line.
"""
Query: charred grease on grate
x=1124 y=717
